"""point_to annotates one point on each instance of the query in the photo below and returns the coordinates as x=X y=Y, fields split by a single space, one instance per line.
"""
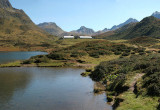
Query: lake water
x=48 y=89
x=6 y=57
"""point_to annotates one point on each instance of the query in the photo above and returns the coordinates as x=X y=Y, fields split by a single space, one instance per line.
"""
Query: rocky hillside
x=17 y=29
x=5 y=4
x=51 y=28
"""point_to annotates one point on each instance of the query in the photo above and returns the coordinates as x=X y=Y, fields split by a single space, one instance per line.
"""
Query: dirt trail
x=136 y=77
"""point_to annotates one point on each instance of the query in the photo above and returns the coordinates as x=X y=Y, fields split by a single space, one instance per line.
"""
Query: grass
x=69 y=42
x=132 y=102
x=96 y=61
x=12 y=64
x=51 y=64
x=140 y=103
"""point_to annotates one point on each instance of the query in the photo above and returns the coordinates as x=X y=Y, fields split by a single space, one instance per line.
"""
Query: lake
x=6 y=57
x=48 y=89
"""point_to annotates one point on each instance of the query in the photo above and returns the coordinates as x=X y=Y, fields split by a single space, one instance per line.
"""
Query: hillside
x=130 y=20
x=17 y=29
x=51 y=28
x=5 y=4
x=149 y=26
x=132 y=82
x=118 y=34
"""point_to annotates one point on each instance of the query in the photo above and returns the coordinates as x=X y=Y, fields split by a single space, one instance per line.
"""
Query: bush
x=27 y=62
x=95 y=55
x=152 y=83
x=117 y=53
x=118 y=83
x=125 y=54
x=78 y=54
x=58 y=56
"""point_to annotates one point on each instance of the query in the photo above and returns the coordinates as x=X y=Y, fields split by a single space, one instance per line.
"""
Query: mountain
x=156 y=14
x=5 y=4
x=130 y=20
x=84 y=31
x=105 y=31
x=149 y=27
x=17 y=29
x=51 y=28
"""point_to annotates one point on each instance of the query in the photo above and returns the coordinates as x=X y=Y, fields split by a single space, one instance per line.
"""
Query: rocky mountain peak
x=156 y=14
x=5 y=4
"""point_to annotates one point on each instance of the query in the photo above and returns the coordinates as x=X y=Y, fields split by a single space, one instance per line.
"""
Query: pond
x=6 y=57
x=48 y=89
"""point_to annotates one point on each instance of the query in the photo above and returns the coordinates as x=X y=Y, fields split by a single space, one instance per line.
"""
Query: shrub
x=152 y=83
x=125 y=54
x=117 y=53
x=58 y=56
x=118 y=83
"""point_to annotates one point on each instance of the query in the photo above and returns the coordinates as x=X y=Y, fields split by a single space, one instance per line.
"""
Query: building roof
x=85 y=37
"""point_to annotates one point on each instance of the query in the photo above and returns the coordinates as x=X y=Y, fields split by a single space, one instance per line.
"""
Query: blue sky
x=95 y=14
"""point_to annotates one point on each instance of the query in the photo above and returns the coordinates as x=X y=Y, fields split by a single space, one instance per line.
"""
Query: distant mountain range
x=53 y=29
x=148 y=27
x=17 y=29
x=130 y=20
x=84 y=30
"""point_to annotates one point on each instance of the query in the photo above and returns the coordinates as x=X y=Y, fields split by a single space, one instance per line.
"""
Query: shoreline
x=18 y=64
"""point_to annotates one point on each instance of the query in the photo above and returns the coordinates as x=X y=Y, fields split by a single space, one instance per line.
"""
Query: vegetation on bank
x=88 y=52
x=119 y=76
x=12 y=64
x=120 y=63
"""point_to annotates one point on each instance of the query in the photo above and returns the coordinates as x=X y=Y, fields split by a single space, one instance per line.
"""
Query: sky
x=95 y=14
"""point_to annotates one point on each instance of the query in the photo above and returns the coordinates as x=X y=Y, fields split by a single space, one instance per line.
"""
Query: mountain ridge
x=5 y=4
x=51 y=28
x=18 y=30
x=148 y=27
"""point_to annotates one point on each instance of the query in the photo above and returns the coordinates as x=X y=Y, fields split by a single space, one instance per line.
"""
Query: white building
x=68 y=37
x=85 y=37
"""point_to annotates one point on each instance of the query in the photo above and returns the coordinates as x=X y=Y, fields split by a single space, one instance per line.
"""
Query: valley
x=40 y=68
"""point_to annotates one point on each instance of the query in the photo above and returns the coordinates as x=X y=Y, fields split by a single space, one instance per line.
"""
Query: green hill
x=149 y=26
x=17 y=29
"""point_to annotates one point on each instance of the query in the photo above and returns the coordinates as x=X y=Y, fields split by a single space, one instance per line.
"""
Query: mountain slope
x=130 y=20
x=51 y=28
x=149 y=26
x=17 y=29
x=116 y=34
x=5 y=4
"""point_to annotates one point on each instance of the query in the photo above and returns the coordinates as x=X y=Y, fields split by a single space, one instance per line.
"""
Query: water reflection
x=10 y=82
x=48 y=89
